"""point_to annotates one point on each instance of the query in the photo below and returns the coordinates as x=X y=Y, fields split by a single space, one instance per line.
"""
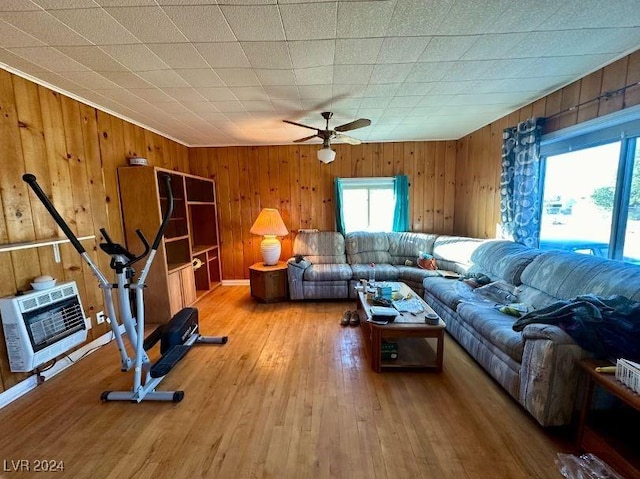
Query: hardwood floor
x=290 y=396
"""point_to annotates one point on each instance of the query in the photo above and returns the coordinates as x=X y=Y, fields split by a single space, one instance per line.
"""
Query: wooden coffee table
x=409 y=331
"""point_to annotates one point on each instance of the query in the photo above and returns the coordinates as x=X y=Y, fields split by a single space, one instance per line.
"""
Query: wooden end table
x=612 y=435
x=409 y=331
x=269 y=283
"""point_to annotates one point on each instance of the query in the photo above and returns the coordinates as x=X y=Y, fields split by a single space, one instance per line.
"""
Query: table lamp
x=270 y=225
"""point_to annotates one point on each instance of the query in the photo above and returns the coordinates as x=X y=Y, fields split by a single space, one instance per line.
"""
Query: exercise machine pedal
x=168 y=360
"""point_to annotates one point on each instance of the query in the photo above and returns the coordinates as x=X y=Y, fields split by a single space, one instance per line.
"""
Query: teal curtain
x=401 y=212
x=338 y=204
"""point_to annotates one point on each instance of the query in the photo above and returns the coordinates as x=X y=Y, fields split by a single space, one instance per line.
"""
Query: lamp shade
x=326 y=155
x=269 y=222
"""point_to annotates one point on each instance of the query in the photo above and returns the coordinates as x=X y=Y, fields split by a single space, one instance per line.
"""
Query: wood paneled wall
x=477 y=196
x=73 y=150
x=291 y=179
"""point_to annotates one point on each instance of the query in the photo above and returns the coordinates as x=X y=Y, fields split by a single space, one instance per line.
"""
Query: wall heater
x=41 y=325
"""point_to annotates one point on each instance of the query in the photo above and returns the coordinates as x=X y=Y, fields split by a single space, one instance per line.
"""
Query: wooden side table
x=610 y=435
x=269 y=283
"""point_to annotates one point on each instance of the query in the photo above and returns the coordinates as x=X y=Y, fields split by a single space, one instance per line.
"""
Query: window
x=368 y=204
x=591 y=188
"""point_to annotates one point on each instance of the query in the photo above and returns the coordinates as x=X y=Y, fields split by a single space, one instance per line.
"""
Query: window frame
x=371 y=183
x=622 y=126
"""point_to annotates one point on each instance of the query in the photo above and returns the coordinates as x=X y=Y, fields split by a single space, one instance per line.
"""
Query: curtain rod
x=607 y=94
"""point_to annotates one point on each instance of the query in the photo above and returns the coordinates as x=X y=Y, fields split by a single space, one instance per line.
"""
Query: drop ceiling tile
x=301 y=20
x=200 y=77
x=225 y=55
x=59 y=81
x=276 y=77
x=49 y=58
x=163 y=78
x=454 y=87
x=315 y=91
x=542 y=13
x=381 y=89
x=312 y=53
x=372 y=114
x=254 y=23
x=250 y=93
x=17 y=6
x=497 y=45
x=391 y=73
x=349 y=74
x=364 y=19
x=405 y=101
x=93 y=57
x=126 y=79
x=91 y=80
x=447 y=48
x=19 y=63
x=228 y=106
x=469 y=70
x=314 y=75
x=137 y=58
x=178 y=55
x=125 y=3
x=238 y=77
x=257 y=105
x=173 y=107
x=282 y=92
x=45 y=27
x=217 y=94
x=573 y=65
x=414 y=88
x=510 y=68
x=121 y=96
x=152 y=95
x=625 y=14
x=10 y=37
x=309 y=105
x=96 y=25
x=204 y=23
x=376 y=102
x=415 y=17
x=212 y=116
x=579 y=42
x=184 y=94
x=402 y=49
x=147 y=24
x=360 y=50
x=267 y=54
x=288 y=105
x=472 y=17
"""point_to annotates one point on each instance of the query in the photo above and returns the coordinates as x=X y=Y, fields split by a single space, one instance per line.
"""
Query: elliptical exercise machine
x=176 y=337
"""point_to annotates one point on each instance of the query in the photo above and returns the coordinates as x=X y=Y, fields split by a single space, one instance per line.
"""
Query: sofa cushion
x=448 y=291
x=413 y=274
x=494 y=326
x=384 y=272
x=504 y=260
x=324 y=247
x=454 y=252
x=565 y=275
x=363 y=248
x=406 y=246
x=328 y=272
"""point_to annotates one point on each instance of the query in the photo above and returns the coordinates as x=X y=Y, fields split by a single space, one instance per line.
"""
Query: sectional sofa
x=537 y=366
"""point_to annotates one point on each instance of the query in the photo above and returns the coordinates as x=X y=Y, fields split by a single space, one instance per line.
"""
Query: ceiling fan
x=326 y=154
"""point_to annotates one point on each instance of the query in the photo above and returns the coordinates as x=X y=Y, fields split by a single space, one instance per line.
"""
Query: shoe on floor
x=355 y=318
x=346 y=318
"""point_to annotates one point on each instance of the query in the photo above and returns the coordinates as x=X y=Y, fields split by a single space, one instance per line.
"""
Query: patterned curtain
x=520 y=188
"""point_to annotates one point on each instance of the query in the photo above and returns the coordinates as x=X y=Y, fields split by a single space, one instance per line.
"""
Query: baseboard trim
x=29 y=384
x=235 y=282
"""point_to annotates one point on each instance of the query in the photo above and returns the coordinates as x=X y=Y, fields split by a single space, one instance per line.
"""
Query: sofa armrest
x=546 y=331
x=549 y=374
x=295 y=273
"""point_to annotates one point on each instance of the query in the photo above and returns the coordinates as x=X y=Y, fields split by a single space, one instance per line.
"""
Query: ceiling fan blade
x=299 y=124
x=360 y=123
x=348 y=139
x=305 y=138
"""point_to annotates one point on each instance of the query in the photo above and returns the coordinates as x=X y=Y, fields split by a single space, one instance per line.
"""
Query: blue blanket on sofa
x=607 y=327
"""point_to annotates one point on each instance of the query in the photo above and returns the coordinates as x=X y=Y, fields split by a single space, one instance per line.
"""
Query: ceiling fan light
x=326 y=155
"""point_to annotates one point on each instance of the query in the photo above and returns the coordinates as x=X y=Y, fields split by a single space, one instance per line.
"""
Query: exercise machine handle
x=167 y=214
x=30 y=179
